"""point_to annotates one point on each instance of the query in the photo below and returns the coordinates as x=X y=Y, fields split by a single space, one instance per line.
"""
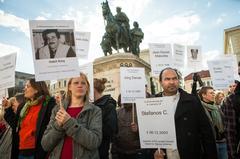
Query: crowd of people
x=36 y=125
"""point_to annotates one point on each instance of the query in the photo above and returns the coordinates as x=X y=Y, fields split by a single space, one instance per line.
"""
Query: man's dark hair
x=45 y=32
x=168 y=68
x=203 y=90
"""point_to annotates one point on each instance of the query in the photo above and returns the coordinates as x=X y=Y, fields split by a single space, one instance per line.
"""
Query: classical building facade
x=232 y=41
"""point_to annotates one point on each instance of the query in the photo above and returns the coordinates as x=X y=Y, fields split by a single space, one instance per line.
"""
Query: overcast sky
x=187 y=22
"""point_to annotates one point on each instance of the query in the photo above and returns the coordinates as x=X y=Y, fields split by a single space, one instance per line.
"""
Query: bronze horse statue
x=115 y=35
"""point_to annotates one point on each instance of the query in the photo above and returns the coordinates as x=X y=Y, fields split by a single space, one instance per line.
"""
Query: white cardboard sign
x=53 y=48
x=7 y=71
x=160 y=57
x=132 y=81
x=156 y=122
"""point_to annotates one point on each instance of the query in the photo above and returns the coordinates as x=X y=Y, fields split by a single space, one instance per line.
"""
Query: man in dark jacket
x=195 y=138
x=231 y=111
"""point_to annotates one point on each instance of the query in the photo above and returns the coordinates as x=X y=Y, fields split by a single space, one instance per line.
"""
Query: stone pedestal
x=109 y=67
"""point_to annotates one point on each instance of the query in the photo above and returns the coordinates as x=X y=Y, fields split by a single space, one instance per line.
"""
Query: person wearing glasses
x=53 y=47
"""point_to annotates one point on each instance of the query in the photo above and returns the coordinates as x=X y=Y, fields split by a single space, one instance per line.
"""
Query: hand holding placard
x=159 y=154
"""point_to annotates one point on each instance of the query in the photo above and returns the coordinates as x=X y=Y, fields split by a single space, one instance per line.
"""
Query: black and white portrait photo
x=194 y=53
x=53 y=43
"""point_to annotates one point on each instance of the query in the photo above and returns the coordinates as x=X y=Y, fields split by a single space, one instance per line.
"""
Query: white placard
x=7 y=71
x=221 y=72
x=160 y=57
x=194 y=56
x=156 y=122
x=82 y=44
x=87 y=69
x=53 y=49
x=3 y=93
x=233 y=59
x=132 y=81
x=178 y=56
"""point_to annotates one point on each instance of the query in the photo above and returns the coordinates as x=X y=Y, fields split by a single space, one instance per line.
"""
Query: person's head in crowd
x=237 y=88
x=18 y=100
x=99 y=87
x=11 y=101
x=169 y=80
x=207 y=94
x=148 y=95
x=219 y=97
x=34 y=89
x=51 y=38
x=78 y=88
x=232 y=87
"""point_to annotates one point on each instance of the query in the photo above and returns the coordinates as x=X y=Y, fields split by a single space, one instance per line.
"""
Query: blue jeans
x=222 y=150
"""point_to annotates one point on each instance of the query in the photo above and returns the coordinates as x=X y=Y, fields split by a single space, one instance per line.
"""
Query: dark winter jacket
x=42 y=122
x=193 y=130
x=109 y=121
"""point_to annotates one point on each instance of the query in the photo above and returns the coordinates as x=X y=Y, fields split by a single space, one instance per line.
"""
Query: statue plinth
x=109 y=67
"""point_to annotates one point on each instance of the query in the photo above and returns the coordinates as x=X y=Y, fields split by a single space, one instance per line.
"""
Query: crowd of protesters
x=37 y=125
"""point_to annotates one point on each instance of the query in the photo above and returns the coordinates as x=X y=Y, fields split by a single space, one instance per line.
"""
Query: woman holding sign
x=32 y=120
x=75 y=127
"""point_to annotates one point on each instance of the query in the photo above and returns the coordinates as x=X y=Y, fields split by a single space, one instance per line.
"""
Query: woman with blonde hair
x=219 y=97
x=75 y=128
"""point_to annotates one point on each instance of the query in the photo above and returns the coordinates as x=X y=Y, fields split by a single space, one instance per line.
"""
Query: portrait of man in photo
x=53 y=46
x=194 y=53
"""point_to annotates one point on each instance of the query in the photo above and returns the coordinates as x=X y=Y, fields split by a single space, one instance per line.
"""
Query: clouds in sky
x=221 y=18
x=178 y=28
x=175 y=29
x=14 y=22
x=6 y=49
x=189 y=23
x=90 y=22
x=133 y=9
x=208 y=56
x=209 y=4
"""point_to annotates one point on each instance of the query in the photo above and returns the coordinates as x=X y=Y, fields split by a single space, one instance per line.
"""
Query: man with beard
x=195 y=138
x=53 y=48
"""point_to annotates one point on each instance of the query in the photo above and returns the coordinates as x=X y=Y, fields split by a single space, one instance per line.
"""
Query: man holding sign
x=194 y=134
